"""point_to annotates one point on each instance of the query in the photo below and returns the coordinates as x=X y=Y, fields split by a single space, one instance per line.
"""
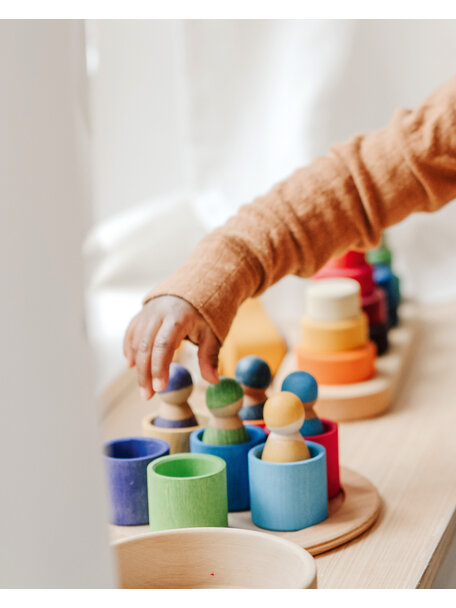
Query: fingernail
x=159 y=385
x=144 y=393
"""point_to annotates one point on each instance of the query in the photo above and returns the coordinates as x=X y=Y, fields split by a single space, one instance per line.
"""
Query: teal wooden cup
x=187 y=491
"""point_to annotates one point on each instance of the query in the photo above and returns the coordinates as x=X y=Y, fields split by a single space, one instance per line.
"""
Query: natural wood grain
x=178 y=439
x=208 y=558
x=408 y=454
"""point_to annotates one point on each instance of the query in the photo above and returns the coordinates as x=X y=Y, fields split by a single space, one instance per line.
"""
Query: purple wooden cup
x=126 y=463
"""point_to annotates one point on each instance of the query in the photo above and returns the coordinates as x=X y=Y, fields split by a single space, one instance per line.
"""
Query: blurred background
x=191 y=119
x=129 y=141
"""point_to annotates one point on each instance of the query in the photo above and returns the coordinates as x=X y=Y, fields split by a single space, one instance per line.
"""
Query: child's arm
x=342 y=200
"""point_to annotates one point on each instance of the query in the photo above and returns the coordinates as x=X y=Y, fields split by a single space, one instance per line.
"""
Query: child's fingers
x=144 y=340
x=127 y=343
x=166 y=342
x=208 y=351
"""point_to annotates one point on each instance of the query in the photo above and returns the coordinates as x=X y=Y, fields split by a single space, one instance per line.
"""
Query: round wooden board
x=351 y=512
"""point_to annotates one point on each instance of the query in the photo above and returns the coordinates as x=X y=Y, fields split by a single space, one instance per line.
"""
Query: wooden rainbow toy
x=353 y=265
x=335 y=348
x=353 y=384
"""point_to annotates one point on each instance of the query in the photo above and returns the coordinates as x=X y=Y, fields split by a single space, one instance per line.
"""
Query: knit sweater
x=340 y=201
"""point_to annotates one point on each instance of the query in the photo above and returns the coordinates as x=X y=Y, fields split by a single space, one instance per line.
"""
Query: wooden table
x=409 y=454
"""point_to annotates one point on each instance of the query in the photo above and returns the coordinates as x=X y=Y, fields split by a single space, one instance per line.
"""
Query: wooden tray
x=351 y=512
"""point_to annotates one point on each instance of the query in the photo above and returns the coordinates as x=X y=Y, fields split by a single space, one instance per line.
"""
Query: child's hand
x=156 y=332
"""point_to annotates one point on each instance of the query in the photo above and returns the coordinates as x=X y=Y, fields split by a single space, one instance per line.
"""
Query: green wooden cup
x=187 y=491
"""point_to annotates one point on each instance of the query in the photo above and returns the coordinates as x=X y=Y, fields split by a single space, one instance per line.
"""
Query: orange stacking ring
x=347 y=367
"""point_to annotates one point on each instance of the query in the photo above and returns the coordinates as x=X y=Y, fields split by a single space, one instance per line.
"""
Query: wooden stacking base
x=352 y=512
x=345 y=402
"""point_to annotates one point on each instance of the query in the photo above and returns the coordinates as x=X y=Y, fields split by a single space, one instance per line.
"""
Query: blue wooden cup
x=126 y=463
x=236 y=458
x=288 y=496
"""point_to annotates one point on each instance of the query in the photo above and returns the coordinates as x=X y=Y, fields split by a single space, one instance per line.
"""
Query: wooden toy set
x=351 y=316
x=252 y=469
x=282 y=479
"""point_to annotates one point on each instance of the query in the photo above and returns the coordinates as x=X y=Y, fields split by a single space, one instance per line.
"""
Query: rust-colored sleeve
x=342 y=200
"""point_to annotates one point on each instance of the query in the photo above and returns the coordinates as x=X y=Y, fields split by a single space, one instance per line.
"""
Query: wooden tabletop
x=409 y=454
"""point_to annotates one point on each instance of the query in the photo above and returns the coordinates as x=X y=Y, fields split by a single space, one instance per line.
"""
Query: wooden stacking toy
x=381 y=254
x=338 y=346
x=175 y=421
x=288 y=484
x=214 y=440
x=206 y=558
x=126 y=462
x=254 y=376
x=324 y=432
x=389 y=283
x=187 y=491
x=353 y=265
x=225 y=427
x=335 y=346
x=381 y=258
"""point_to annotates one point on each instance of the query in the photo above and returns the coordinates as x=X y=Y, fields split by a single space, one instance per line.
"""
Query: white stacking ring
x=333 y=299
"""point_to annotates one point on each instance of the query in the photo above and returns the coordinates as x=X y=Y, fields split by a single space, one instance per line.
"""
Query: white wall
x=136 y=111
x=52 y=508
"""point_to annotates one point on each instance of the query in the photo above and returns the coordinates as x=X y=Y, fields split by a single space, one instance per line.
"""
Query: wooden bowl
x=211 y=558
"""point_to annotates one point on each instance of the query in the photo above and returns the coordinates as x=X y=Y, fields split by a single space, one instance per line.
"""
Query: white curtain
x=191 y=119
x=53 y=507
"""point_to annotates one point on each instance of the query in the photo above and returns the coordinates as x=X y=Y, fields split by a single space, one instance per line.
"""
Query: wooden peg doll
x=304 y=386
x=284 y=415
x=225 y=427
x=254 y=375
x=175 y=411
